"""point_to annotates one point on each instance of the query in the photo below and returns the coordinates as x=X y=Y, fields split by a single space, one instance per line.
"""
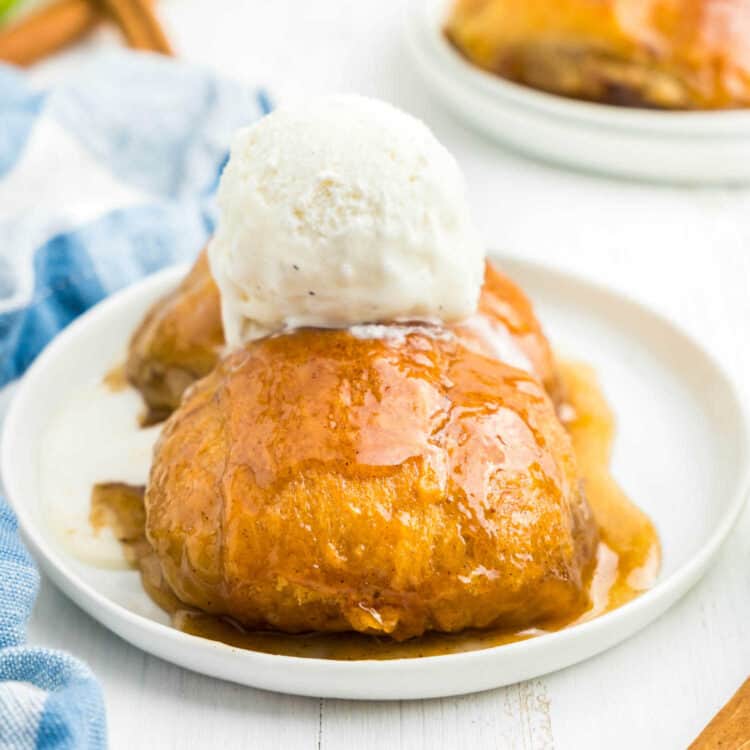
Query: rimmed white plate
x=681 y=453
x=687 y=147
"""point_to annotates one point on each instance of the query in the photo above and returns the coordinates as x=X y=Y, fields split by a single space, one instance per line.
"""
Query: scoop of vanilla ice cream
x=339 y=212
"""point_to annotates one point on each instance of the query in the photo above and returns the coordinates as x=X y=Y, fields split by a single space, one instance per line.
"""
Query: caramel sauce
x=627 y=558
x=116 y=379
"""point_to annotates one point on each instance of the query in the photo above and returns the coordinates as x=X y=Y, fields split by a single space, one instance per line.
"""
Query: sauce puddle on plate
x=627 y=559
x=116 y=380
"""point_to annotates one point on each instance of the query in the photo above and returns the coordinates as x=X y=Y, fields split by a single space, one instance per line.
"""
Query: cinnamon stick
x=730 y=728
x=47 y=31
x=139 y=24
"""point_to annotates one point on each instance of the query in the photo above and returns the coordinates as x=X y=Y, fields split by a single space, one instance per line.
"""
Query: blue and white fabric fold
x=103 y=179
x=48 y=699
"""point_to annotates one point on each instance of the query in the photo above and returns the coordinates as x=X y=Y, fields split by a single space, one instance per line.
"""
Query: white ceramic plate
x=681 y=454
x=691 y=147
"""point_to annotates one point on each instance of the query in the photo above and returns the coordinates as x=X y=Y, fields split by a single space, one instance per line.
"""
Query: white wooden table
x=686 y=252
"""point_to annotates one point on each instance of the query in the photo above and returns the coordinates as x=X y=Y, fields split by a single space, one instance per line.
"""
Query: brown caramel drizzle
x=115 y=379
x=627 y=558
x=623 y=527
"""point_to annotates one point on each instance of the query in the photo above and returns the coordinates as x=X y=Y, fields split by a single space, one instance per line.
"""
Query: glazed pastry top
x=319 y=481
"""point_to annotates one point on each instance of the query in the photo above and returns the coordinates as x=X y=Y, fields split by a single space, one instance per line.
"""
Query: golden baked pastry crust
x=177 y=342
x=181 y=337
x=675 y=54
x=316 y=481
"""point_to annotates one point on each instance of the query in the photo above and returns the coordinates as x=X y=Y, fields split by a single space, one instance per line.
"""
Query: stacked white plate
x=686 y=147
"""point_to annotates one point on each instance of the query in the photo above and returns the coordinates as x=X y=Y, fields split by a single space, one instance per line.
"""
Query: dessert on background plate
x=534 y=75
x=667 y=54
x=371 y=450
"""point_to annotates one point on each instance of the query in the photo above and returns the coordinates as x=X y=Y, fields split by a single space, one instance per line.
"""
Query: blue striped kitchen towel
x=103 y=179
